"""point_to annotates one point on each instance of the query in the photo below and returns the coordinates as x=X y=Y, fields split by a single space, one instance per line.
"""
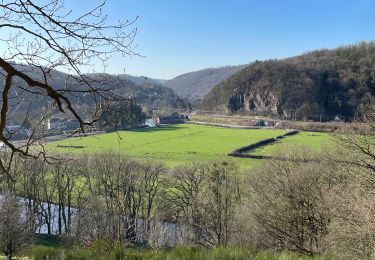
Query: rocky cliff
x=315 y=85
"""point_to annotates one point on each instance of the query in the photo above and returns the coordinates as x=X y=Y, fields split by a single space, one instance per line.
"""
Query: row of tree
x=308 y=202
x=120 y=115
x=110 y=196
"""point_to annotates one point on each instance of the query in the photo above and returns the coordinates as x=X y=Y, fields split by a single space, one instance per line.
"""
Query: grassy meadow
x=184 y=143
x=314 y=140
x=172 y=144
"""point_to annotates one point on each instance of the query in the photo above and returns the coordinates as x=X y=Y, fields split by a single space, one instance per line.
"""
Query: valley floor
x=185 y=143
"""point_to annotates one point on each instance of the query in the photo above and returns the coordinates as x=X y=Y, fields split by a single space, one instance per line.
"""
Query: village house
x=62 y=124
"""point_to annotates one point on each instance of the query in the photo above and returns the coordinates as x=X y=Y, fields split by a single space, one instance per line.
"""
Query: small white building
x=57 y=124
x=62 y=124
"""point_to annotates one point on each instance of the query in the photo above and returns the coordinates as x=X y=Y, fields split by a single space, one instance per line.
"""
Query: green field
x=180 y=144
x=313 y=140
x=172 y=144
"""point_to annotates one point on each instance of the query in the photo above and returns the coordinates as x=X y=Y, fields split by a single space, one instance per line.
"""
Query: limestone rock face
x=319 y=85
x=256 y=101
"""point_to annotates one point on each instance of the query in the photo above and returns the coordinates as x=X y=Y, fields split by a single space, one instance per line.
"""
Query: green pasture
x=314 y=140
x=172 y=144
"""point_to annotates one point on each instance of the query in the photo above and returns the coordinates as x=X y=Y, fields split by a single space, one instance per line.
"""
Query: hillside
x=148 y=94
x=319 y=84
x=196 y=84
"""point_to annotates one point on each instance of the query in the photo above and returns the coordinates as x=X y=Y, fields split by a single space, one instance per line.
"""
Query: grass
x=42 y=248
x=172 y=144
x=177 y=253
x=313 y=140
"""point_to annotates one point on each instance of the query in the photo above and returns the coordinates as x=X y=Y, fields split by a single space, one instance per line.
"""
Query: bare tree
x=203 y=199
x=352 y=228
x=14 y=225
x=15 y=172
x=94 y=222
x=357 y=141
x=41 y=38
x=182 y=204
x=290 y=202
x=127 y=192
x=158 y=233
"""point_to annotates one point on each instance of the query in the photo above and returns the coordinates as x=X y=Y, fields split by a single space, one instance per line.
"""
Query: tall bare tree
x=358 y=141
x=14 y=225
x=41 y=37
x=290 y=202
x=203 y=199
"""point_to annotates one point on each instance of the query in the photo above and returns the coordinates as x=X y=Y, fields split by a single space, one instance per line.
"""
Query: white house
x=57 y=124
x=62 y=124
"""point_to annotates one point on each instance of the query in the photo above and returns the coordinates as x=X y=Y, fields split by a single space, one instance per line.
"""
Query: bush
x=290 y=203
x=119 y=252
x=76 y=254
x=44 y=252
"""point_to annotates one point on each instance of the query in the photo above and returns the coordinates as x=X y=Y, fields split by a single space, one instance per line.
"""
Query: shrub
x=290 y=203
x=44 y=252
x=119 y=252
x=76 y=254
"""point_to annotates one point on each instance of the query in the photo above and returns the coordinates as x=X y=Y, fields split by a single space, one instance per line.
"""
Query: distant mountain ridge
x=140 y=80
x=322 y=83
x=196 y=84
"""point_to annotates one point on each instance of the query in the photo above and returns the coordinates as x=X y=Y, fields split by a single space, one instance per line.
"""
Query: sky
x=179 y=36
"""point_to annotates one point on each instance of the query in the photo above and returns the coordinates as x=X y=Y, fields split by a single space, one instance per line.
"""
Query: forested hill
x=148 y=94
x=321 y=83
x=196 y=84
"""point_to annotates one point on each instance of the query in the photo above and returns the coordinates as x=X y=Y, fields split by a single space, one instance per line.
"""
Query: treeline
x=111 y=197
x=319 y=85
x=120 y=115
x=307 y=202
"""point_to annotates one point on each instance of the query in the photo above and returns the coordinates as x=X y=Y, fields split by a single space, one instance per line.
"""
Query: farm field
x=314 y=140
x=172 y=144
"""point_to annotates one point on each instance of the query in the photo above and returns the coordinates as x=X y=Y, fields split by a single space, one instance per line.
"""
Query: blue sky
x=179 y=36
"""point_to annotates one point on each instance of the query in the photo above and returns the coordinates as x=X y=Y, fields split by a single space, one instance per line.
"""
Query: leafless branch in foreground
x=41 y=39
